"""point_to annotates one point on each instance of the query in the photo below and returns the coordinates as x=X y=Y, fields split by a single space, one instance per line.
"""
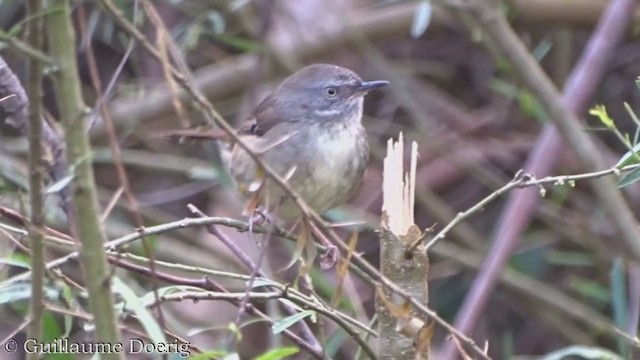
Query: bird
x=310 y=132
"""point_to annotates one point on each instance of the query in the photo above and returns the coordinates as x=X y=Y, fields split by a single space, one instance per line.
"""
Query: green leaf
x=569 y=258
x=203 y=173
x=628 y=179
x=50 y=332
x=61 y=184
x=590 y=289
x=152 y=242
x=135 y=304
x=504 y=88
x=22 y=291
x=278 y=354
x=283 y=324
x=67 y=295
x=530 y=105
x=531 y=261
x=216 y=21
x=240 y=44
x=333 y=343
x=196 y=331
x=21 y=258
x=213 y=354
x=17 y=263
x=619 y=293
x=421 y=19
x=542 y=49
x=600 y=112
x=586 y=352
x=232 y=356
x=630 y=157
x=619 y=301
x=192 y=36
x=260 y=282
x=150 y=297
x=237 y=4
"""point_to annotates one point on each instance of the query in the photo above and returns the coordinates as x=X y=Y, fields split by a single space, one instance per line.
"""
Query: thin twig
x=520 y=181
x=15 y=331
x=163 y=42
x=28 y=49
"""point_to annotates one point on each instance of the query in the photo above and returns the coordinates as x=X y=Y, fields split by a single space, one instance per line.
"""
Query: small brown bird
x=310 y=132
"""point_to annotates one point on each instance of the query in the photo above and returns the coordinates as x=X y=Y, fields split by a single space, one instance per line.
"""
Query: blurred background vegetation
x=570 y=278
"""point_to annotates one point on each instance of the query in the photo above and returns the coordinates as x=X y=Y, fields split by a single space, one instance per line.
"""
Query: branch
x=36 y=175
x=519 y=181
x=86 y=227
x=29 y=50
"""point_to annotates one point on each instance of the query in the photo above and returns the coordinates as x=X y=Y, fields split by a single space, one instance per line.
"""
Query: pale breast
x=323 y=167
x=336 y=168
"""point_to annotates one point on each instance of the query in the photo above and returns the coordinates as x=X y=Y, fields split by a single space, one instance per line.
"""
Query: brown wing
x=264 y=117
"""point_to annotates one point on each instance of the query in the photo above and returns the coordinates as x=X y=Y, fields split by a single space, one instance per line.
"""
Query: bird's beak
x=367 y=86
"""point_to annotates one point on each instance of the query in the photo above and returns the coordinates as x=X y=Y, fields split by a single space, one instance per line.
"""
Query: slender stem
x=28 y=49
x=518 y=182
x=86 y=227
x=36 y=175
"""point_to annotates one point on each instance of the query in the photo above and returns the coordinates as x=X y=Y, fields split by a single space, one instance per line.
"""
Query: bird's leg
x=252 y=204
x=262 y=216
x=330 y=256
x=259 y=217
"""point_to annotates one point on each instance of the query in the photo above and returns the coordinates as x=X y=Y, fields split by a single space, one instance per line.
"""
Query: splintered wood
x=398 y=193
x=401 y=334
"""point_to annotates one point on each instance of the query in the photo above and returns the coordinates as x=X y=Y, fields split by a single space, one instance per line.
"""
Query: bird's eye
x=331 y=92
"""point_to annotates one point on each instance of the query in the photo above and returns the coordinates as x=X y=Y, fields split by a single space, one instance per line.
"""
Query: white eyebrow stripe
x=327 y=112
